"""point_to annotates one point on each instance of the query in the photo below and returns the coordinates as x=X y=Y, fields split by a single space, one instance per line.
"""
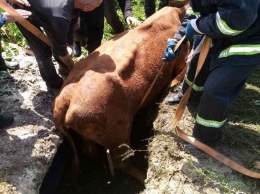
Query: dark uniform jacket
x=233 y=25
x=58 y=18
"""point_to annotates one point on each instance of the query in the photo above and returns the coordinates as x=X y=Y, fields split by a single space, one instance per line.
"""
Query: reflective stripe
x=195 y=87
x=191 y=12
x=242 y=49
x=210 y=123
x=224 y=28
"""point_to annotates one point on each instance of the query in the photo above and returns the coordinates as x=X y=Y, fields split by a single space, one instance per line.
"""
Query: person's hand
x=22 y=12
x=70 y=49
x=169 y=53
x=192 y=30
x=21 y=3
x=132 y=21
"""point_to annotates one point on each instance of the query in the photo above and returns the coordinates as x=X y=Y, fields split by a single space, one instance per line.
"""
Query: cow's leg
x=112 y=139
x=128 y=168
x=96 y=153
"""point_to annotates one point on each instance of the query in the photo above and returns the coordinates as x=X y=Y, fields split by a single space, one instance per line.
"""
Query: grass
x=242 y=133
x=243 y=130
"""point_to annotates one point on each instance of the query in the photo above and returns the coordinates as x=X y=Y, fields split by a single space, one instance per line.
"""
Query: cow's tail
x=59 y=118
x=75 y=160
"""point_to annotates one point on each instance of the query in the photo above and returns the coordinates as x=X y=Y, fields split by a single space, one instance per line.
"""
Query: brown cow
x=103 y=92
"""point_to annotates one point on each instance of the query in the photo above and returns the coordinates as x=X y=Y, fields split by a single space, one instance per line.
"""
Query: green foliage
x=138 y=12
x=11 y=34
x=212 y=178
x=138 y=9
x=242 y=133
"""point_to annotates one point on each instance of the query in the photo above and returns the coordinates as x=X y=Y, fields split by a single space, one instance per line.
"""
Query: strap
x=220 y=157
x=179 y=77
x=5 y=6
x=180 y=110
x=181 y=107
x=179 y=43
x=158 y=74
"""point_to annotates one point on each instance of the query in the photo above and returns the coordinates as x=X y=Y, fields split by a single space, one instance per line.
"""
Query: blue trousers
x=221 y=82
x=222 y=87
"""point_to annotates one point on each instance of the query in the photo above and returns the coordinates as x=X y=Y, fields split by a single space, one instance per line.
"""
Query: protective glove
x=169 y=54
x=192 y=30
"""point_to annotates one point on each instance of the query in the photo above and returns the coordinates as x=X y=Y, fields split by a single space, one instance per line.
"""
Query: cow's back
x=132 y=59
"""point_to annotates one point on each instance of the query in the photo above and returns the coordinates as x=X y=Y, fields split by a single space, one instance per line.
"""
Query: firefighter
x=234 y=55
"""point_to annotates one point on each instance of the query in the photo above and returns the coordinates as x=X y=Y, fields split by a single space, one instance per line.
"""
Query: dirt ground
x=175 y=167
x=28 y=146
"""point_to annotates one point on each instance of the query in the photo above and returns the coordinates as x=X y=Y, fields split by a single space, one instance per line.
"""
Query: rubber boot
x=207 y=135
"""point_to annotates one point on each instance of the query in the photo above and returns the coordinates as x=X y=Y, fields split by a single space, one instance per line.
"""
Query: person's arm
x=169 y=53
x=232 y=18
x=7 y=18
x=126 y=7
x=74 y=24
x=67 y=60
x=60 y=29
x=2 y=20
x=189 y=15
x=20 y=3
